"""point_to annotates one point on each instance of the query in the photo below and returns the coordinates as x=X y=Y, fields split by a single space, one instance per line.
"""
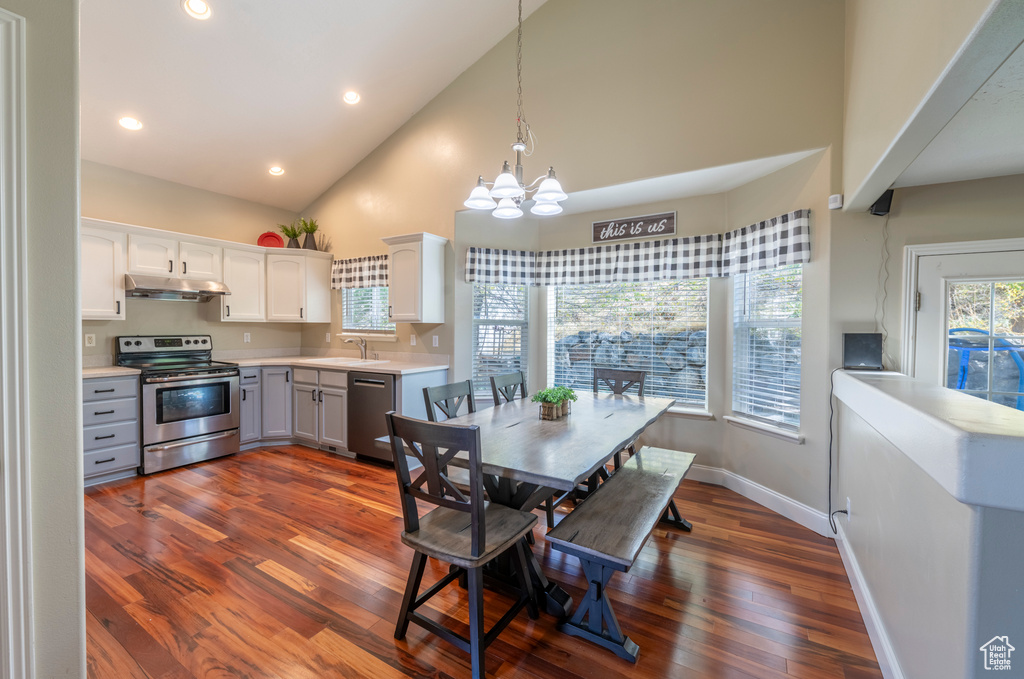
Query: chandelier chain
x=519 y=76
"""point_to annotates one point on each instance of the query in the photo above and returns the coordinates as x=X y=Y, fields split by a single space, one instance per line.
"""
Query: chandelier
x=508 y=189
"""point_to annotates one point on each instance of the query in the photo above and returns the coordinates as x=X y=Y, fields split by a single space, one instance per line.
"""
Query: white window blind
x=659 y=327
x=766 y=344
x=499 y=333
x=366 y=310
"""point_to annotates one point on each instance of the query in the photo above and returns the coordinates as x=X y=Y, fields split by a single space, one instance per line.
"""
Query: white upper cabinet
x=102 y=272
x=152 y=255
x=200 y=262
x=245 y=277
x=171 y=258
x=416 y=278
x=298 y=289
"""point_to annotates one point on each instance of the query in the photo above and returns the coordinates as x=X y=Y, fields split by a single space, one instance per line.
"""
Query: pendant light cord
x=519 y=78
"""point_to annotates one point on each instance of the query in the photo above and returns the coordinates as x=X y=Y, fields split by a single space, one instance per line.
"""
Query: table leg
x=672 y=518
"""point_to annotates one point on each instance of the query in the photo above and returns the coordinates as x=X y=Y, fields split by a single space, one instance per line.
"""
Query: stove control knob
x=188 y=341
x=138 y=343
x=204 y=341
x=127 y=343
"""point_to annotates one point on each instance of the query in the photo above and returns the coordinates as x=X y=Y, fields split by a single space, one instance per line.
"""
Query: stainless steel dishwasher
x=370 y=396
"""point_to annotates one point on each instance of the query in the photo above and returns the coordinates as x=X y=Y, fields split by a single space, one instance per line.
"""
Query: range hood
x=176 y=289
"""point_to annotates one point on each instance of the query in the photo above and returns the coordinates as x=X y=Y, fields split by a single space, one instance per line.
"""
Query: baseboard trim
x=807 y=517
x=880 y=641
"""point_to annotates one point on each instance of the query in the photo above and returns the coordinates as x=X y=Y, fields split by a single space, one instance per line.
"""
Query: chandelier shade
x=507 y=209
x=545 y=208
x=480 y=198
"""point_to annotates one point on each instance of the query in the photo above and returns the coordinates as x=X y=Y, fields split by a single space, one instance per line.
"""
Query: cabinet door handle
x=100 y=438
x=321 y=395
x=313 y=394
x=389 y=311
x=229 y=310
x=118 y=307
x=249 y=377
x=170 y=266
x=300 y=312
x=103 y=412
x=243 y=394
x=105 y=461
x=184 y=267
x=102 y=391
x=287 y=375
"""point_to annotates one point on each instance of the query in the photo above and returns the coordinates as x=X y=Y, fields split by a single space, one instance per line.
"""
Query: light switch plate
x=328 y=340
x=246 y=337
x=412 y=340
x=434 y=337
x=90 y=340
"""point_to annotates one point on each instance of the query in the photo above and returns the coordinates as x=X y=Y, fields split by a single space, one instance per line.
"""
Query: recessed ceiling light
x=276 y=171
x=197 y=9
x=351 y=97
x=130 y=123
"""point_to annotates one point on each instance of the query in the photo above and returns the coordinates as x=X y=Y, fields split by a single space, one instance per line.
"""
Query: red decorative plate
x=270 y=240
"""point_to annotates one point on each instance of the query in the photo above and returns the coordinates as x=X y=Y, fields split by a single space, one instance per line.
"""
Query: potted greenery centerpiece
x=291 y=232
x=309 y=227
x=554 y=402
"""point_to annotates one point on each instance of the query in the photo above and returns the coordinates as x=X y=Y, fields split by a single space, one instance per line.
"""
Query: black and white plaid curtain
x=775 y=242
x=361 y=272
x=769 y=244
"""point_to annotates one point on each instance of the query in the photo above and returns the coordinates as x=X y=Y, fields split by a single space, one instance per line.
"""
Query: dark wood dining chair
x=621 y=381
x=505 y=387
x=444 y=402
x=463 y=530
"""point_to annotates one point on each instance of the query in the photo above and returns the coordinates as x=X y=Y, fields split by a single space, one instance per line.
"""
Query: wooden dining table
x=526 y=459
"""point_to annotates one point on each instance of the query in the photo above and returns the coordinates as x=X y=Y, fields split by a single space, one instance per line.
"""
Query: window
x=499 y=332
x=660 y=328
x=767 y=307
x=365 y=310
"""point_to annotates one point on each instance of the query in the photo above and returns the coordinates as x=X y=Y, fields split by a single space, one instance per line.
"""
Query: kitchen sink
x=343 y=362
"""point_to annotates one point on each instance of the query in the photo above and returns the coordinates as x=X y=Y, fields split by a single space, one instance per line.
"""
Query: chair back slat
x=504 y=387
x=619 y=381
x=444 y=401
x=435 y=445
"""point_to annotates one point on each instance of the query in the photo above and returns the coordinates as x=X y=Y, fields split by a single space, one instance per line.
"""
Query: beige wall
x=895 y=52
x=54 y=409
x=121 y=196
x=615 y=92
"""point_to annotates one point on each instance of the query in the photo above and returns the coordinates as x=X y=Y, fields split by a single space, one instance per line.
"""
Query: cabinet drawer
x=249 y=376
x=117 y=387
x=333 y=379
x=102 y=412
x=111 y=460
x=304 y=375
x=109 y=435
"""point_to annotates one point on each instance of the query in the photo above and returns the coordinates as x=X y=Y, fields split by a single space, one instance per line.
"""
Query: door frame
x=16 y=603
x=911 y=259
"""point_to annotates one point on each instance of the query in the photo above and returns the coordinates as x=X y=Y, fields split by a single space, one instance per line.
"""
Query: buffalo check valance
x=361 y=272
x=774 y=242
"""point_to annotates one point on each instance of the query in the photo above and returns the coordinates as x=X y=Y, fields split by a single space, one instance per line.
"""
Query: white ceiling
x=984 y=139
x=260 y=84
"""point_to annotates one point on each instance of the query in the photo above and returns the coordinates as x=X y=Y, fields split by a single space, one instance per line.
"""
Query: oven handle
x=192 y=441
x=193 y=376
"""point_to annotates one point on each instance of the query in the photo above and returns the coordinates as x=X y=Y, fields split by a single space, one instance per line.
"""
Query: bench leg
x=672 y=518
x=601 y=626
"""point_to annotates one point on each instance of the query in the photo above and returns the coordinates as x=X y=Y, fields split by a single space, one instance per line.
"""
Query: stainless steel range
x=189 y=402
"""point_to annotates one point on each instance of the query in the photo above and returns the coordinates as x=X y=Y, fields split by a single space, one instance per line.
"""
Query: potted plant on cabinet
x=309 y=227
x=291 y=232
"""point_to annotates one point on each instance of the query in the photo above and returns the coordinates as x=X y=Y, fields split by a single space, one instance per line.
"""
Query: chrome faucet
x=361 y=341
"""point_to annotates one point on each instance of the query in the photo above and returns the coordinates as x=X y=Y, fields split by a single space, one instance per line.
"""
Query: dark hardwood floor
x=286 y=562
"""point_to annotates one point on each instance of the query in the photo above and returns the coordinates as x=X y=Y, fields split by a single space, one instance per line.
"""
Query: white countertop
x=972 y=448
x=392 y=367
x=108 y=371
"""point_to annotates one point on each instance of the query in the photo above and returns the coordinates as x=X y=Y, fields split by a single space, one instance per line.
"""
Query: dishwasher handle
x=363 y=382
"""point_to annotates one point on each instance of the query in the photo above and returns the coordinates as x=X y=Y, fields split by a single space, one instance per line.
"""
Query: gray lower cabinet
x=320 y=408
x=276 y=403
x=110 y=435
x=250 y=416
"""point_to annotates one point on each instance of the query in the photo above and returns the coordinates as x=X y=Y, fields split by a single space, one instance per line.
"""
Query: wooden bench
x=608 y=530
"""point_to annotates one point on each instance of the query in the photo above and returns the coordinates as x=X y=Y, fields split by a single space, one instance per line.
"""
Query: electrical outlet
x=412 y=340
x=847 y=510
x=246 y=337
x=90 y=340
x=328 y=340
x=434 y=338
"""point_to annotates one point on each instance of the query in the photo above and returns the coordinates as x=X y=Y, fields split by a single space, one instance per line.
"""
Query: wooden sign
x=649 y=226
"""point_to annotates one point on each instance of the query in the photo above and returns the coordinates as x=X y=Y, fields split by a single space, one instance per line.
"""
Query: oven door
x=178 y=407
